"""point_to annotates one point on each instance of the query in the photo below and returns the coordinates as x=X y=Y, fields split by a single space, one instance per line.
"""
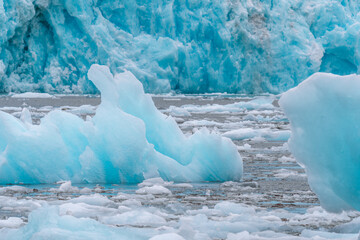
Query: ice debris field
x=272 y=201
x=238 y=46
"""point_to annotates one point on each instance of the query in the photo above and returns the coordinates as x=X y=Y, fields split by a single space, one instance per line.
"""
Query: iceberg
x=128 y=140
x=235 y=46
x=325 y=136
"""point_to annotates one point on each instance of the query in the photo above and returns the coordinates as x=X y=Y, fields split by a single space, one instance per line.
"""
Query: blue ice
x=245 y=46
x=325 y=136
x=127 y=141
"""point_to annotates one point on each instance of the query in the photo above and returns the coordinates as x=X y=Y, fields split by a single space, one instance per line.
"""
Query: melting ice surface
x=325 y=136
x=192 y=46
x=127 y=141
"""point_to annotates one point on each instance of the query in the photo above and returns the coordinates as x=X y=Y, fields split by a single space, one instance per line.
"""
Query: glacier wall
x=128 y=140
x=244 y=46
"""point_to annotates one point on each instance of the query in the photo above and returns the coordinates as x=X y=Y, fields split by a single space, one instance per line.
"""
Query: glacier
x=325 y=136
x=128 y=140
x=237 y=46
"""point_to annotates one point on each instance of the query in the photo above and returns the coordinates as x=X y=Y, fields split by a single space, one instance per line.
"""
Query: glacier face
x=247 y=46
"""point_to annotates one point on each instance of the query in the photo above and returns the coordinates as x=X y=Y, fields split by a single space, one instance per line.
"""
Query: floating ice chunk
x=85 y=190
x=155 y=190
x=260 y=103
x=245 y=147
x=65 y=187
x=236 y=208
x=153 y=181
x=286 y=173
x=167 y=236
x=285 y=159
x=266 y=133
x=128 y=140
x=132 y=203
x=83 y=210
x=25 y=116
x=12 y=109
x=325 y=136
x=95 y=199
x=15 y=189
x=200 y=123
x=32 y=95
x=84 y=109
x=135 y=218
x=11 y=222
x=178 y=112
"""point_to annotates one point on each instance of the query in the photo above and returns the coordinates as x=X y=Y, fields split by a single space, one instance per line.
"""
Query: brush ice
x=121 y=213
x=325 y=136
x=127 y=140
x=192 y=46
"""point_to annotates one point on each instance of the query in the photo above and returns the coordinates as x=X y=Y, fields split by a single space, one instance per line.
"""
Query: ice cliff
x=128 y=140
x=248 y=46
x=325 y=135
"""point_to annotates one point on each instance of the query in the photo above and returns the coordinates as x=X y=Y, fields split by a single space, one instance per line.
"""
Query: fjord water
x=273 y=201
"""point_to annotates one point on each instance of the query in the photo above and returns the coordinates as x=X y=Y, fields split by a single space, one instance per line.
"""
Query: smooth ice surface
x=247 y=46
x=325 y=136
x=127 y=140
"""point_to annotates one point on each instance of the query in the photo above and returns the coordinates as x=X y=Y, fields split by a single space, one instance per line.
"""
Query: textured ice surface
x=127 y=140
x=122 y=212
x=192 y=46
x=325 y=136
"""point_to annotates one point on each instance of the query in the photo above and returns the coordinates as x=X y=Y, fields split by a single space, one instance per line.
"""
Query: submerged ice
x=193 y=46
x=325 y=136
x=128 y=140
